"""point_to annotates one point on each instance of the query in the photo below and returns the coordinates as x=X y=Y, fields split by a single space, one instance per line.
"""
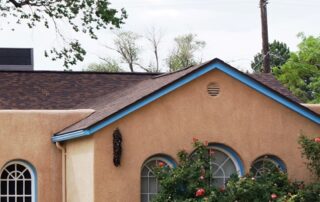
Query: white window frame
x=33 y=181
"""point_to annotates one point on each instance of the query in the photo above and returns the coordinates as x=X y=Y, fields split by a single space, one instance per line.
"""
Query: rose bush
x=190 y=180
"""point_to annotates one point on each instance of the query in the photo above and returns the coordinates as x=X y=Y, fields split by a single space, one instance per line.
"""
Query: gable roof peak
x=121 y=103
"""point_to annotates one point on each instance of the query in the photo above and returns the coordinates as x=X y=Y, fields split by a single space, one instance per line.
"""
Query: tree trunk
x=131 y=67
x=265 y=37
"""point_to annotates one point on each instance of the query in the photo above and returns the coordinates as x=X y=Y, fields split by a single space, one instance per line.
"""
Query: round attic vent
x=213 y=89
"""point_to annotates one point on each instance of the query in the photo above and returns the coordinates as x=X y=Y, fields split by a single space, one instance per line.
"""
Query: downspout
x=63 y=152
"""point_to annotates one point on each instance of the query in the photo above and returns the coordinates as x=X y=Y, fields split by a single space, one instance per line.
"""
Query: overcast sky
x=230 y=28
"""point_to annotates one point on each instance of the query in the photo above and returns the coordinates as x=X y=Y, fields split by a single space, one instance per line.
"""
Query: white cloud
x=231 y=28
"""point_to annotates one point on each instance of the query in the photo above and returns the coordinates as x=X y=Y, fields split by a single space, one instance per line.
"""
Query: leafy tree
x=86 y=16
x=183 y=54
x=108 y=65
x=279 y=54
x=301 y=73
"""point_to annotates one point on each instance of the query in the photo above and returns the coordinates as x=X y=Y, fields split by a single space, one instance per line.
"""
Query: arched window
x=266 y=164
x=224 y=163
x=17 y=182
x=149 y=183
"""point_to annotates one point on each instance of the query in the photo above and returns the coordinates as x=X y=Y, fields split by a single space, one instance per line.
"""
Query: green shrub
x=182 y=182
x=311 y=151
x=190 y=180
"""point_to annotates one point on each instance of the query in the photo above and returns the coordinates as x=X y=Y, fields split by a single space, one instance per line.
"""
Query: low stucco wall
x=239 y=117
x=26 y=135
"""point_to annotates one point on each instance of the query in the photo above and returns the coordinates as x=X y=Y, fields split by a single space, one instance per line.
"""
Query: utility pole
x=265 y=37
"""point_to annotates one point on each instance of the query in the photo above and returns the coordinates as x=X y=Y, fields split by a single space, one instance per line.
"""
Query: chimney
x=16 y=59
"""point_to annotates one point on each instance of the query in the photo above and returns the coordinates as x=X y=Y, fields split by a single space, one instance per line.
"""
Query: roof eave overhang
x=215 y=64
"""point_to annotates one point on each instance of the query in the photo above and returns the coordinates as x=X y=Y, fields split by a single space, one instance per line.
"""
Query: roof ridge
x=78 y=72
x=183 y=69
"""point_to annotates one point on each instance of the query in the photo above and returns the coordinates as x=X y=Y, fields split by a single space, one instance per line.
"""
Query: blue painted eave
x=214 y=64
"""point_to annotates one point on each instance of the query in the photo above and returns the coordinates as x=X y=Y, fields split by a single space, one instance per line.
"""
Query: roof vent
x=213 y=89
x=16 y=59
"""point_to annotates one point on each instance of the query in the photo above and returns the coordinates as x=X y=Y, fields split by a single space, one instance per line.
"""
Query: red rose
x=200 y=192
x=206 y=143
x=274 y=196
x=221 y=189
x=317 y=139
x=161 y=164
x=195 y=139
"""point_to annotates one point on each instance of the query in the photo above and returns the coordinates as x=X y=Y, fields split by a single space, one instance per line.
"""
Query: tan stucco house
x=64 y=134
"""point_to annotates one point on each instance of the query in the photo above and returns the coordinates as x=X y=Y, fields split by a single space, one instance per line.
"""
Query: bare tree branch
x=155 y=36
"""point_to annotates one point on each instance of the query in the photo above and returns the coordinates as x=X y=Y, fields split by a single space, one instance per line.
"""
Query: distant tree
x=154 y=37
x=279 y=54
x=108 y=65
x=183 y=54
x=126 y=45
x=301 y=73
x=86 y=16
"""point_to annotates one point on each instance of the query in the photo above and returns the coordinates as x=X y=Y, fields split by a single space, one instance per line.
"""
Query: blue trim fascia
x=216 y=65
x=71 y=135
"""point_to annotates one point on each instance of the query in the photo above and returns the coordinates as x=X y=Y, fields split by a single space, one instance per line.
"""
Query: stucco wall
x=80 y=161
x=241 y=118
x=26 y=135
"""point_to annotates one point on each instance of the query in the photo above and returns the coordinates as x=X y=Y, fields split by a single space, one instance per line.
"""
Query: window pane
x=4 y=174
x=3 y=187
x=20 y=168
x=219 y=157
x=144 y=198
x=229 y=168
x=28 y=199
x=20 y=199
x=3 y=199
x=145 y=171
x=144 y=185
x=20 y=187
x=219 y=173
x=28 y=187
x=153 y=185
x=11 y=168
x=12 y=189
x=12 y=199
x=27 y=174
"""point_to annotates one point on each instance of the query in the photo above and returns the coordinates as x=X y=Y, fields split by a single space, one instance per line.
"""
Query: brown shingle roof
x=60 y=90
